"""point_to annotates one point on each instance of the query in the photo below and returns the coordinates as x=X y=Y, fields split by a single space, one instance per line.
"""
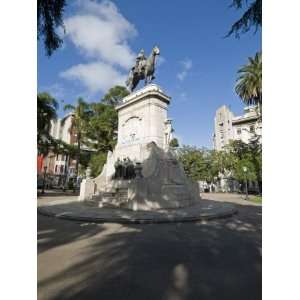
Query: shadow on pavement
x=57 y=193
x=218 y=259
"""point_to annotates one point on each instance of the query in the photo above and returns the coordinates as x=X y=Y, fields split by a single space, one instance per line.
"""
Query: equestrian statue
x=143 y=69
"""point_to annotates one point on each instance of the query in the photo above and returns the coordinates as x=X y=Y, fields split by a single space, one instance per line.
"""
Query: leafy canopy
x=174 y=143
x=97 y=162
x=115 y=95
x=80 y=116
x=49 y=18
x=46 y=111
x=252 y=17
x=203 y=164
x=101 y=130
x=197 y=163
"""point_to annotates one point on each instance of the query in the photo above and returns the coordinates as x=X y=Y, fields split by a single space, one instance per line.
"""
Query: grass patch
x=256 y=199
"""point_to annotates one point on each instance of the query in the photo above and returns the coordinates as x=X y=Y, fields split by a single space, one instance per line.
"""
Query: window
x=56 y=169
x=239 y=131
x=252 y=128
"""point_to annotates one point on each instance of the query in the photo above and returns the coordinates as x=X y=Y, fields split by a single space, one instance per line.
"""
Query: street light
x=245 y=172
x=44 y=179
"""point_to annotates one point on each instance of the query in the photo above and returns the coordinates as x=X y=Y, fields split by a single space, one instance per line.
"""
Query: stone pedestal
x=143 y=134
x=87 y=189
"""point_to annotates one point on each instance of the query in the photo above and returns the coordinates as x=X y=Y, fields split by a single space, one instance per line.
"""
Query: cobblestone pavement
x=217 y=259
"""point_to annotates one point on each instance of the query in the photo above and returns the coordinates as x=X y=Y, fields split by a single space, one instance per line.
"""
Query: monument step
x=96 y=198
x=107 y=194
x=92 y=202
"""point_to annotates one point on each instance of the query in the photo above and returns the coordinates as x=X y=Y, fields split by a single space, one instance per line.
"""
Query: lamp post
x=44 y=179
x=246 y=182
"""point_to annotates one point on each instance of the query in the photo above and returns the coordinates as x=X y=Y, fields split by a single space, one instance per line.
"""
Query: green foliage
x=256 y=199
x=239 y=173
x=249 y=82
x=115 y=95
x=80 y=116
x=97 y=162
x=49 y=18
x=197 y=163
x=245 y=155
x=101 y=130
x=203 y=164
x=46 y=111
x=174 y=143
x=251 y=17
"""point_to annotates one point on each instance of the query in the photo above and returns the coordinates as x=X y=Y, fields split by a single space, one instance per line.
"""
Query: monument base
x=162 y=184
x=144 y=134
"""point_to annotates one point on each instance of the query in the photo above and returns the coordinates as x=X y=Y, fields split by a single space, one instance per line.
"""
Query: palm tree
x=249 y=82
x=80 y=114
x=46 y=111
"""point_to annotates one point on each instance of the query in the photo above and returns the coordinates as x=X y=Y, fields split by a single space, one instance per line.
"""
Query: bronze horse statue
x=144 y=71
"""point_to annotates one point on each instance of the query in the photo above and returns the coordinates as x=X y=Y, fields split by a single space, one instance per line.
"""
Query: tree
x=115 y=95
x=245 y=155
x=101 y=129
x=174 y=143
x=97 y=162
x=221 y=161
x=46 y=111
x=49 y=18
x=251 y=17
x=249 y=82
x=80 y=115
x=197 y=163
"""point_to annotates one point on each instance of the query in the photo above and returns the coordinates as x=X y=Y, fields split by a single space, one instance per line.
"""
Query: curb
x=120 y=220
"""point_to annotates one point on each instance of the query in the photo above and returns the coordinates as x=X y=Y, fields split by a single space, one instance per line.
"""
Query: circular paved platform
x=79 y=211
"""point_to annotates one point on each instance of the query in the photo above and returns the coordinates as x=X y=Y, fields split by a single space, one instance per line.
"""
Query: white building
x=61 y=164
x=229 y=127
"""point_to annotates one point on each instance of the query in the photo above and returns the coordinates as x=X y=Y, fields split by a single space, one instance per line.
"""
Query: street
x=218 y=259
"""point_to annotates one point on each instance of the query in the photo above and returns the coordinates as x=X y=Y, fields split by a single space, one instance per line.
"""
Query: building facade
x=229 y=127
x=59 y=167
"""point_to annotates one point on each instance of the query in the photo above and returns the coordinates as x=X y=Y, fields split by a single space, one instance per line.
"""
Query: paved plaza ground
x=218 y=259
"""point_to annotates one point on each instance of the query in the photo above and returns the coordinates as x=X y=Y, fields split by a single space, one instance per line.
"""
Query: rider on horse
x=140 y=62
x=143 y=69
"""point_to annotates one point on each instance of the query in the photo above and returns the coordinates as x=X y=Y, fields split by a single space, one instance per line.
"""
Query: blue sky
x=197 y=67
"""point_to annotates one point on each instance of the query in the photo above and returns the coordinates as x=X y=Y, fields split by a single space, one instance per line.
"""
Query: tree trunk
x=77 y=160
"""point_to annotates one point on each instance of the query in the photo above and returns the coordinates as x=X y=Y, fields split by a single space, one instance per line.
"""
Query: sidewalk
x=230 y=197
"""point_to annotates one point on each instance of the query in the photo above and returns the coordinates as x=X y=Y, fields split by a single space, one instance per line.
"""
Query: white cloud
x=186 y=66
x=100 y=31
x=101 y=34
x=95 y=76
